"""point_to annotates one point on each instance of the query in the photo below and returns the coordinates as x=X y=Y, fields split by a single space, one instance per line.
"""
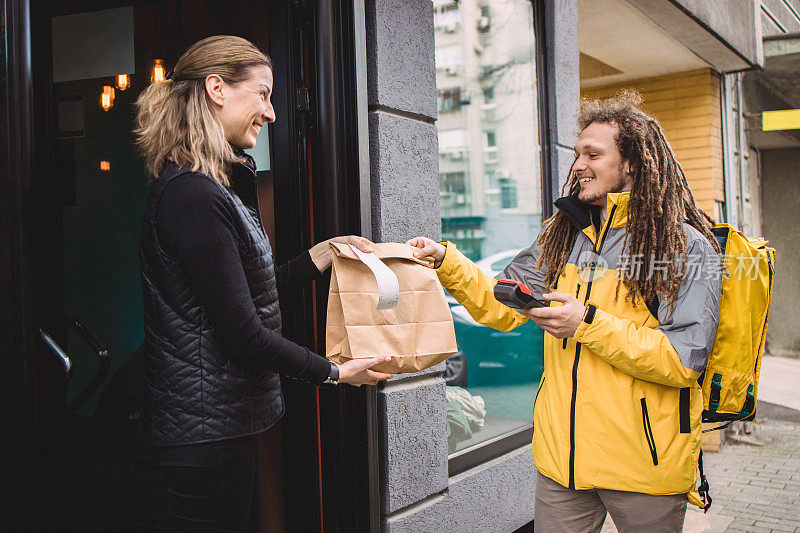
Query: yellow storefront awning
x=787 y=119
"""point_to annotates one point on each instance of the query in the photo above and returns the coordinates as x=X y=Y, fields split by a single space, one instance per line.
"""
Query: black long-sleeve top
x=195 y=226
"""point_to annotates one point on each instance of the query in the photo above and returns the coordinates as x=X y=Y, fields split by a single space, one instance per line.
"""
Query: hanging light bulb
x=158 y=71
x=123 y=82
x=107 y=98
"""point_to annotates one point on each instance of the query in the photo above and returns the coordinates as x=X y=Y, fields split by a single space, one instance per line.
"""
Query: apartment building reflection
x=489 y=153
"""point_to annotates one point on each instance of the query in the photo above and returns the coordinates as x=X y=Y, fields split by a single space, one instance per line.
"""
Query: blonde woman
x=212 y=320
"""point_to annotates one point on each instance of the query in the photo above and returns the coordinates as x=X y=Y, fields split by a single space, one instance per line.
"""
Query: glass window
x=452 y=145
x=453 y=183
x=484 y=20
x=491 y=184
x=453 y=191
x=508 y=193
x=449 y=59
x=488 y=95
x=449 y=99
x=446 y=16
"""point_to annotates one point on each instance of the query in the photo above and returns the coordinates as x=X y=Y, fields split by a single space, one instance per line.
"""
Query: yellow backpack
x=730 y=381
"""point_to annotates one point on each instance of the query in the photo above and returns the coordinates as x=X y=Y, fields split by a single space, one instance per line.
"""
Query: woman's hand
x=428 y=248
x=321 y=252
x=357 y=372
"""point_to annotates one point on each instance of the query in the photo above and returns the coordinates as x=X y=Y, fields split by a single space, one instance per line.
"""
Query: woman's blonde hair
x=175 y=120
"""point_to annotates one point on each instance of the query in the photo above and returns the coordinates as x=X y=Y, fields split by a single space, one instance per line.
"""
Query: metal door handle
x=97 y=347
x=91 y=339
x=56 y=349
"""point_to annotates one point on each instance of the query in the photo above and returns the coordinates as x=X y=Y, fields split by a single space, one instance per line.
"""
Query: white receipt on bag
x=388 y=286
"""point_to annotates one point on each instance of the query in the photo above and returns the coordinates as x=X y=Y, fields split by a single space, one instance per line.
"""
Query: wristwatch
x=333 y=377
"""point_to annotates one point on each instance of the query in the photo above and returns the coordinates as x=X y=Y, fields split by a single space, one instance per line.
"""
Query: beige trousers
x=559 y=509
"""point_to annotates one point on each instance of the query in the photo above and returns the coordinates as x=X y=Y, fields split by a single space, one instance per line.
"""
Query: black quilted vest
x=194 y=393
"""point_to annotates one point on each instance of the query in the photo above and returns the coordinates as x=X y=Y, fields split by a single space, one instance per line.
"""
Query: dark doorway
x=88 y=189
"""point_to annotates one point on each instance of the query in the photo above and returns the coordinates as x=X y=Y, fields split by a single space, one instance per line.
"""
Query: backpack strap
x=703 y=488
x=684 y=411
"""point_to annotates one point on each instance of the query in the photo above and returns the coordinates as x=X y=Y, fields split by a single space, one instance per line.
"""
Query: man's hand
x=561 y=321
x=357 y=372
x=428 y=247
x=321 y=252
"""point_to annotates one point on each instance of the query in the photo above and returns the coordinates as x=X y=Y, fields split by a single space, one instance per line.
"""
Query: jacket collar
x=583 y=215
x=249 y=161
x=617 y=203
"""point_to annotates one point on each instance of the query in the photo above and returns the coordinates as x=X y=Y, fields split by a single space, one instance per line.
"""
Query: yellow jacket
x=619 y=405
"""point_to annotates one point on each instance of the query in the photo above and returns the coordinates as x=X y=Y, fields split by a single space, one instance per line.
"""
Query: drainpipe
x=728 y=156
x=741 y=142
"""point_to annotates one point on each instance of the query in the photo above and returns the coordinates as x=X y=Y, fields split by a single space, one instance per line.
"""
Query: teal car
x=489 y=357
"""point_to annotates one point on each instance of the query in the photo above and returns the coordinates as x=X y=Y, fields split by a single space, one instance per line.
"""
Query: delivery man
x=631 y=272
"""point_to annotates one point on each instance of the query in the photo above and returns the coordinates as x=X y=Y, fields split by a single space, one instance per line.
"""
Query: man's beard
x=591 y=197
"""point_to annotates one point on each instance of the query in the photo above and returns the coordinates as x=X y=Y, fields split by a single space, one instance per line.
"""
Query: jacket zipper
x=537 y=397
x=648 y=433
x=598 y=246
x=538 y=391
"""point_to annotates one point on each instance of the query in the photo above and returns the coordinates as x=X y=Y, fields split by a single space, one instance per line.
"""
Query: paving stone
x=759 y=470
x=775 y=527
x=767 y=484
x=758 y=529
x=754 y=517
x=759 y=486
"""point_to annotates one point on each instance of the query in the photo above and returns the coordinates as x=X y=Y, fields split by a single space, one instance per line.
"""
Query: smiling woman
x=210 y=71
x=242 y=108
x=212 y=317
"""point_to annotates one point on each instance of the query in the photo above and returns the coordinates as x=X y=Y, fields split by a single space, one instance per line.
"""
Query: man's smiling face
x=598 y=165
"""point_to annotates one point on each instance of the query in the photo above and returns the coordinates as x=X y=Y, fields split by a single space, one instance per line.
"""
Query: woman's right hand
x=357 y=372
x=428 y=248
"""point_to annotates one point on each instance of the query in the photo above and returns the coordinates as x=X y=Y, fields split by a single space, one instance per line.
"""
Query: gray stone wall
x=401 y=89
x=724 y=33
x=494 y=497
x=404 y=173
x=780 y=190
x=561 y=27
x=417 y=494
x=780 y=17
x=734 y=22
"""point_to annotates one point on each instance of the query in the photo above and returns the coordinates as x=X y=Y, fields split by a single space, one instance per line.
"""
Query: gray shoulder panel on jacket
x=523 y=269
x=692 y=324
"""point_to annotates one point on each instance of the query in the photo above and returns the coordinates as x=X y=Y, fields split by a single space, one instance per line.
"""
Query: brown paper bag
x=417 y=333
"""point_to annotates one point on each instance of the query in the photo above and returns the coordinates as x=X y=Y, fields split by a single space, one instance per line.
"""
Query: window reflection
x=490 y=186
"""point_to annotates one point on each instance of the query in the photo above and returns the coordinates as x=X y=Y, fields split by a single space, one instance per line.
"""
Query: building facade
x=769 y=192
x=396 y=118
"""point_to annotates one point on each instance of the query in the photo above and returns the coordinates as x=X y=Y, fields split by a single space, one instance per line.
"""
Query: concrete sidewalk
x=779 y=383
x=757 y=488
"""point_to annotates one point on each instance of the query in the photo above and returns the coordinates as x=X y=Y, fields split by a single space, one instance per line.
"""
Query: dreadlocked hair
x=660 y=201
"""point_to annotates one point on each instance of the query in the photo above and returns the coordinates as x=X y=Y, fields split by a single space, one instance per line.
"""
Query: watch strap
x=333 y=377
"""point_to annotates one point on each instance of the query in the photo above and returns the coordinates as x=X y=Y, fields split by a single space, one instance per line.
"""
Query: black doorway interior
x=87 y=191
